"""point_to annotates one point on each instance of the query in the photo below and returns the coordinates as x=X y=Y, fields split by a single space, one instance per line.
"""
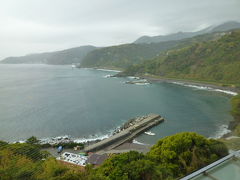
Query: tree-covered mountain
x=182 y=35
x=68 y=56
x=123 y=56
x=216 y=60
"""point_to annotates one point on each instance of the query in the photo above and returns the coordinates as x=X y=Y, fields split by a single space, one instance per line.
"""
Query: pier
x=131 y=130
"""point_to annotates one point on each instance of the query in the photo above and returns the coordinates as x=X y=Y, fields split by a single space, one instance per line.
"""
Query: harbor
x=121 y=141
x=126 y=133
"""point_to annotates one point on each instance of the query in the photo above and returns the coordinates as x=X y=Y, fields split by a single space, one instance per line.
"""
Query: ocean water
x=49 y=101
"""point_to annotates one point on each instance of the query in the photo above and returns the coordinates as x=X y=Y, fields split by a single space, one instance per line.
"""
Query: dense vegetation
x=216 y=60
x=68 y=56
x=172 y=157
x=123 y=56
x=27 y=161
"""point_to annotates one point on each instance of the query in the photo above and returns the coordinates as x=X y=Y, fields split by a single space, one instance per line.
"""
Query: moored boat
x=149 y=133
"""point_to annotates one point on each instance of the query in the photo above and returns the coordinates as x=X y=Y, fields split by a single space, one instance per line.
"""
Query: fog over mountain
x=231 y=25
x=67 y=56
x=41 y=26
x=121 y=56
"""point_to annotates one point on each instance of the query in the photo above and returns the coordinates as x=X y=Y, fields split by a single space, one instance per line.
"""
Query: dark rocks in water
x=232 y=125
x=143 y=82
x=129 y=123
x=120 y=75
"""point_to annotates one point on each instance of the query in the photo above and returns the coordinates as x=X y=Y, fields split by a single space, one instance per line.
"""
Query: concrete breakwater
x=127 y=132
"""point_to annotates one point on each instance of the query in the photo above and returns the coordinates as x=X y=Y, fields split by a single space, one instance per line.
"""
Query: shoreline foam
x=201 y=87
x=223 y=129
x=108 y=70
x=93 y=139
x=221 y=132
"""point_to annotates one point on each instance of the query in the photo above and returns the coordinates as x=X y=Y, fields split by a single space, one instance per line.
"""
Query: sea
x=87 y=104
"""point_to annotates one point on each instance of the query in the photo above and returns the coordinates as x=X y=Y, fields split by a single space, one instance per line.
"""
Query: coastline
x=232 y=91
x=112 y=69
x=225 y=131
x=229 y=89
x=192 y=82
x=155 y=80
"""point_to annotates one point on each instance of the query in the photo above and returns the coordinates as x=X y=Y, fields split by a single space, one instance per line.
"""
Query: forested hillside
x=123 y=56
x=216 y=60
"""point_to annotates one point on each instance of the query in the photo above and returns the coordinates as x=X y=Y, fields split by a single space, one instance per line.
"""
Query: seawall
x=141 y=124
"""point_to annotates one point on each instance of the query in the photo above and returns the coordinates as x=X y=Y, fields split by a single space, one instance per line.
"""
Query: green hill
x=123 y=56
x=217 y=60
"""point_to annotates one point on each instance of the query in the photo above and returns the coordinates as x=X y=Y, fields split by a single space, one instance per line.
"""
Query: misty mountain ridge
x=230 y=25
x=63 y=57
x=121 y=56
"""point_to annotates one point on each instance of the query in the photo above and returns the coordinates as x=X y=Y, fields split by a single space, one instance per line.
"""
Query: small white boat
x=149 y=133
x=73 y=66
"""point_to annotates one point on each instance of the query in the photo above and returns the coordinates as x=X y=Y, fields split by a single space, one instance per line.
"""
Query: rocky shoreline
x=66 y=139
x=191 y=82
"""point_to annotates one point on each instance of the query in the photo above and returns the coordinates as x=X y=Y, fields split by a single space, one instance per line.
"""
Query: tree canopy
x=170 y=158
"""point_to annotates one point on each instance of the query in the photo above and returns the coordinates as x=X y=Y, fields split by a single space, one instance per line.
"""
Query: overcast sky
x=30 y=26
